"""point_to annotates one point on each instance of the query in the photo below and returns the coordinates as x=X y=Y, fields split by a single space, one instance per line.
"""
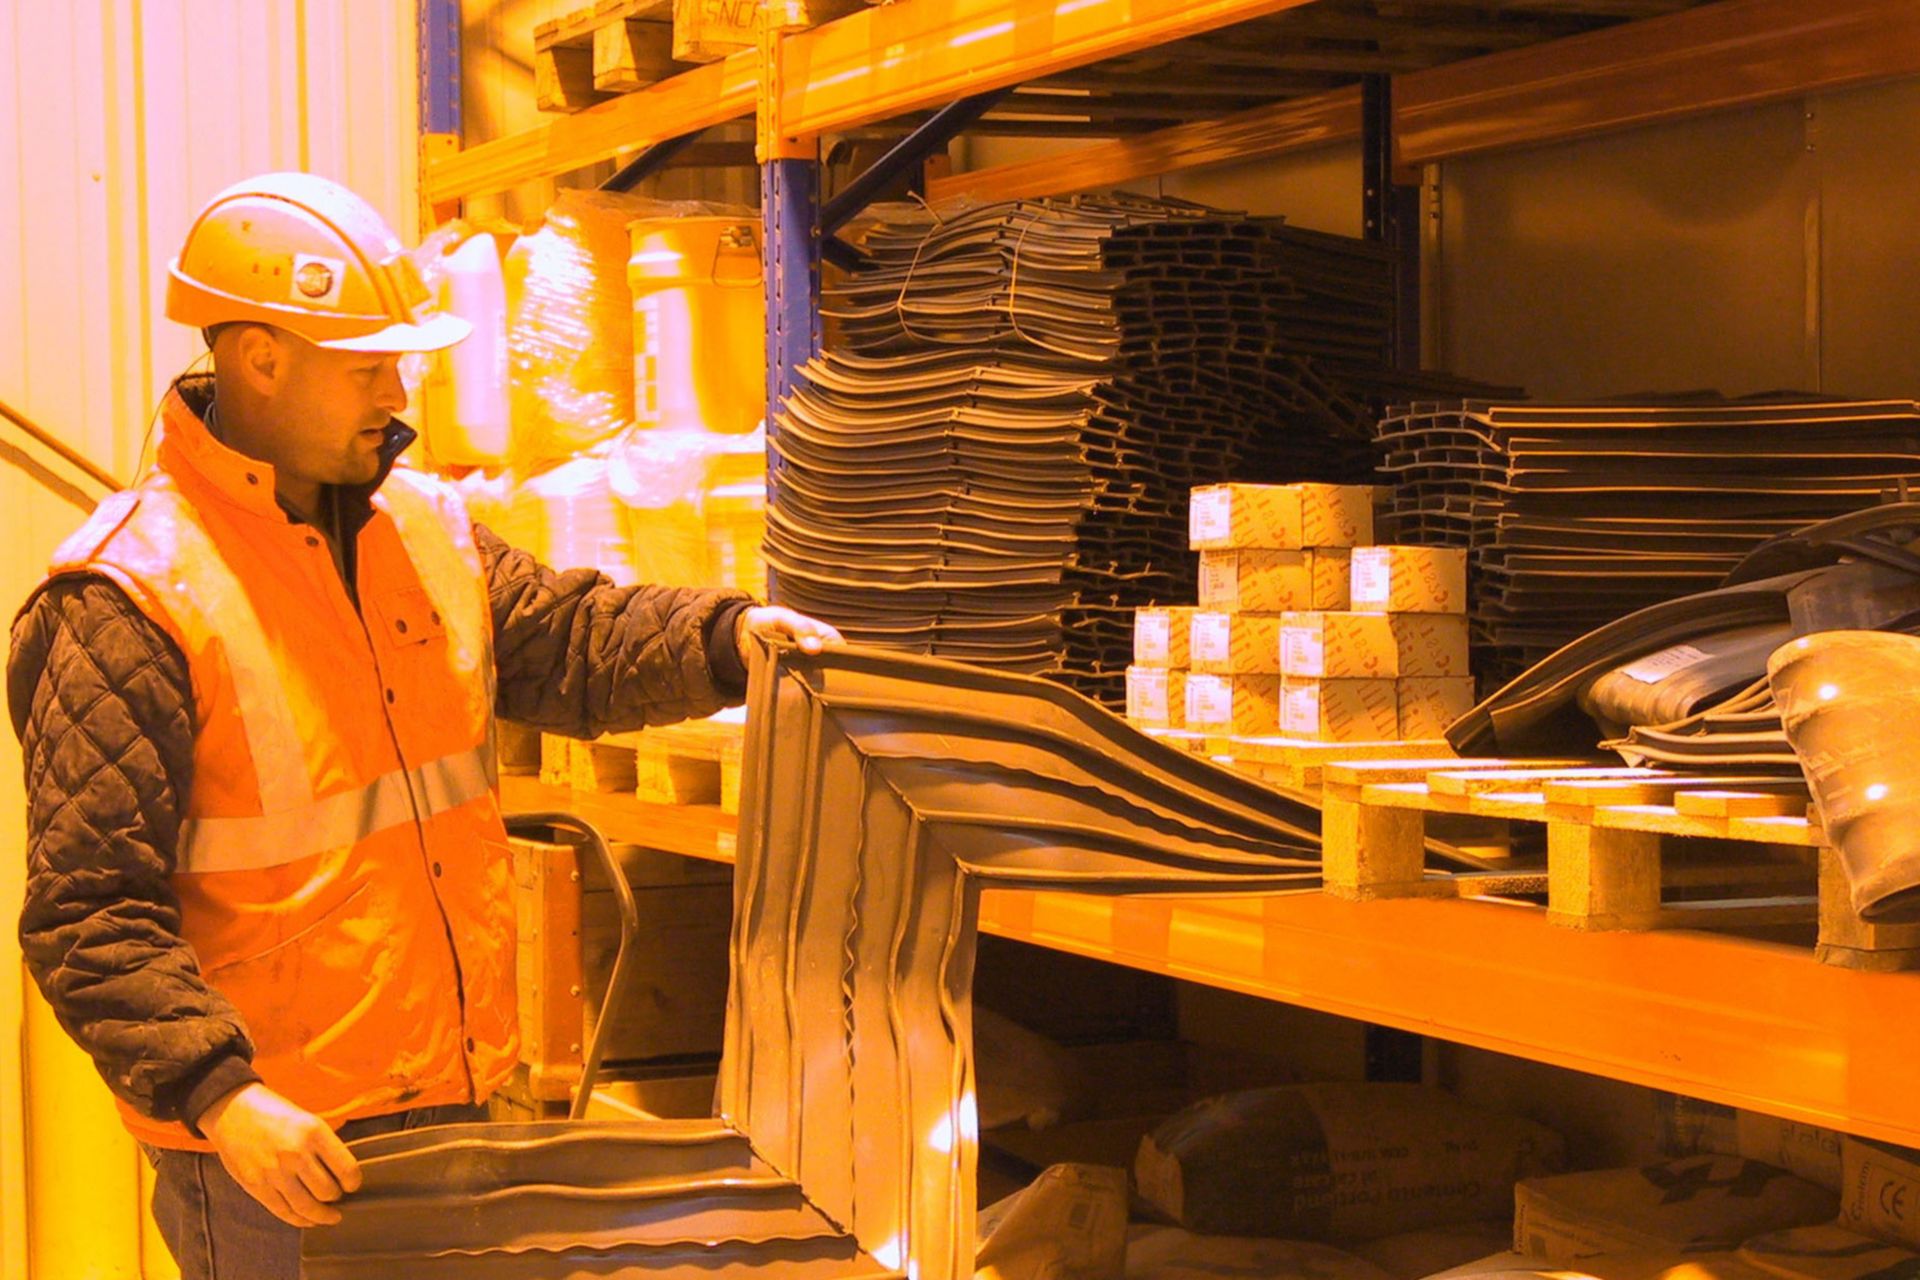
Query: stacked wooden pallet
x=1625 y=848
x=697 y=762
x=616 y=46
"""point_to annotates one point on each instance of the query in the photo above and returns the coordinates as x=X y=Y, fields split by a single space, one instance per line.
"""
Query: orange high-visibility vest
x=342 y=868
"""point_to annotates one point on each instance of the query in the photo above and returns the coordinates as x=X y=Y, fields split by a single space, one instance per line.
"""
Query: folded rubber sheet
x=992 y=459
x=880 y=793
x=1684 y=680
x=1575 y=514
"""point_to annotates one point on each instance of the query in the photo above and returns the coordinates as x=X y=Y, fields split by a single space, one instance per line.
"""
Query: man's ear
x=259 y=357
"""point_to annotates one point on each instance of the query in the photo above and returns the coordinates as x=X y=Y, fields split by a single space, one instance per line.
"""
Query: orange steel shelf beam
x=1269 y=130
x=896 y=58
x=709 y=95
x=1731 y=54
x=1763 y=1027
x=1753 y=1025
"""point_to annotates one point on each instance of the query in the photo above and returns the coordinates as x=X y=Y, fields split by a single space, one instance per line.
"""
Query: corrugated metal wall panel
x=116 y=122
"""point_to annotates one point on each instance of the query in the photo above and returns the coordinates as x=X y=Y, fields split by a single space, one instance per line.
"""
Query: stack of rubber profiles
x=1576 y=514
x=992 y=460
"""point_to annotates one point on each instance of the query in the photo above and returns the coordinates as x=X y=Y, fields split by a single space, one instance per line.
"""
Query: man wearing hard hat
x=268 y=885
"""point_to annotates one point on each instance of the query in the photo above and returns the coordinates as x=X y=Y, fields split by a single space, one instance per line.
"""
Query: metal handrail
x=532 y=824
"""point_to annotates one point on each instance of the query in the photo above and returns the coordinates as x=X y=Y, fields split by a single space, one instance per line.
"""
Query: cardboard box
x=1160 y=637
x=1428 y=704
x=1340 y=710
x=1240 y=706
x=1156 y=697
x=1331 y=574
x=1410 y=579
x=1828 y=1252
x=1236 y=643
x=1274 y=581
x=1347 y=645
x=1880 y=1195
x=1282 y=517
x=1698 y=1204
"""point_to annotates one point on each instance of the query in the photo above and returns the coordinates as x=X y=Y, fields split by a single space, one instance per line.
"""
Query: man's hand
x=286 y=1158
x=771 y=622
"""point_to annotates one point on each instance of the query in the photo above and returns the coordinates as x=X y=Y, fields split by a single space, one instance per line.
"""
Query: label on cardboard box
x=1210 y=516
x=1209 y=701
x=1152 y=629
x=1410 y=579
x=1147 y=696
x=1211 y=640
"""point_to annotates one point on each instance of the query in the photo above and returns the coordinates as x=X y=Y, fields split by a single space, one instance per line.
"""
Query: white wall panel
x=117 y=120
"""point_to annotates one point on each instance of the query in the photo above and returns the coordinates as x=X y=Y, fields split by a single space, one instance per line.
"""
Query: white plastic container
x=699 y=324
x=466 y=415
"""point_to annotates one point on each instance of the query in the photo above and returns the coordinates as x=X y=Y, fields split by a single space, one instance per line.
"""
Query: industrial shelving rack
x=1743 y=1023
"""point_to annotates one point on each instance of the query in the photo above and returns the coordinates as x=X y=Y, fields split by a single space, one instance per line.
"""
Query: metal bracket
x=649 y=162
x=908 y=154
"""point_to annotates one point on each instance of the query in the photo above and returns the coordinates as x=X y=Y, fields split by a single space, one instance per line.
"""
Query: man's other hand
x=284 y=1157
x=771 y=622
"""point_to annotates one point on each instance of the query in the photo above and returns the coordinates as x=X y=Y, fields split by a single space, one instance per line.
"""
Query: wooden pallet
x=616 y=46
x=1293 y=764
x=697 y=762
x=1610 y=852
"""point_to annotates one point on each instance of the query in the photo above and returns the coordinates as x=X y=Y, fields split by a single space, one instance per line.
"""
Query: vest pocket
x=409 y=617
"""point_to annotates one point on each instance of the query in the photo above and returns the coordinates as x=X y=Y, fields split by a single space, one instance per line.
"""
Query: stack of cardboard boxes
x=1304 y=629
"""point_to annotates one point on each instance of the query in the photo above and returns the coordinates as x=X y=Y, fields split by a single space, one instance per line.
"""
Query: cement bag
x=1689 y=1127
x=1023 y=1078
x=1070 y=1224
x=570 y=329
x=1702 y=1203
x=573 y=521
x=1412 y=1255
x=1338 y=1162
x=1622 y=1266
x=1880 y=1196
x=1168 y=1253
x=1829 y=1252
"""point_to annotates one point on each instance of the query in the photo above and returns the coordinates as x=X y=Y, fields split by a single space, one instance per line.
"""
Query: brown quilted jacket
x=103 y=707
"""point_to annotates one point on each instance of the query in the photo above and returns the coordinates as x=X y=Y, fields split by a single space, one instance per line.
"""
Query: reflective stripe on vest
x=275 y=839
x=273 y=735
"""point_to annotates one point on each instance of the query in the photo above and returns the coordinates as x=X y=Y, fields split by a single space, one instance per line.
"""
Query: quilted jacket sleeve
x=102 y=704
x=578 y=655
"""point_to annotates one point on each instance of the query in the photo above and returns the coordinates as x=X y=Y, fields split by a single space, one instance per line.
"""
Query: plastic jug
x=699 y=324
x=466 y=385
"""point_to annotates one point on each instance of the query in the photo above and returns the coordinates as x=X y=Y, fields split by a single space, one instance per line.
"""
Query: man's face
x=331 y=410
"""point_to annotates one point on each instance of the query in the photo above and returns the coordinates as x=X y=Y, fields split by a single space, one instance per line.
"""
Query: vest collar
x=186 y=445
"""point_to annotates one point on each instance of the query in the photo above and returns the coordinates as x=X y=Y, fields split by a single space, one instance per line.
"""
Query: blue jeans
x=216 y=1231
